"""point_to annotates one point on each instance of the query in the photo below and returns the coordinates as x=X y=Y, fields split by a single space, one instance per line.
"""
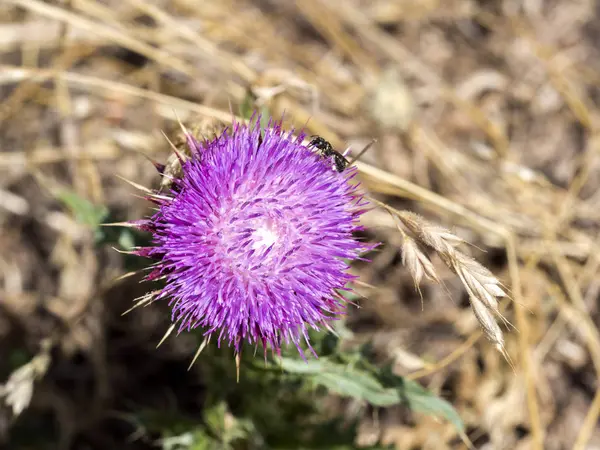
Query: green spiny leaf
x=379 y=389
x=421 y=400
x=345 y=380
x=85 y=212
x=265 y=116
x=215 y=418
x=247 y=106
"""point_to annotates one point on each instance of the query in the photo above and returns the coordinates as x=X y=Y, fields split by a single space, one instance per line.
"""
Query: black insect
x=326 y=150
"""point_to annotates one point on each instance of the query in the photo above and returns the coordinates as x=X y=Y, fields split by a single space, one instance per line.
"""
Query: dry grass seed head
x=439 y=238
x=487 y=321
x=478 y=280
x=417 y=262
x=490 y=327
x=481 y=284
x=413 y=257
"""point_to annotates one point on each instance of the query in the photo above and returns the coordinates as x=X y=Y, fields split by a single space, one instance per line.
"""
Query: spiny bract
x=254 y=238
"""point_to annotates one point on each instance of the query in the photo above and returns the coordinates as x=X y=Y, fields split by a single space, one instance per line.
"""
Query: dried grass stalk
x=483 y=287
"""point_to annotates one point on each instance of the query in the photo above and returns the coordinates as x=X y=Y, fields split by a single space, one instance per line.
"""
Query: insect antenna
x=362 y=152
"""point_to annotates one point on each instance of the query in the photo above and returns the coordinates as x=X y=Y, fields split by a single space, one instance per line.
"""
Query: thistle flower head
x=253 y=240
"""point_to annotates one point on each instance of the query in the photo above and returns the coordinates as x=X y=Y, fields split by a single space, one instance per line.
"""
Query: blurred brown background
x=486 y=120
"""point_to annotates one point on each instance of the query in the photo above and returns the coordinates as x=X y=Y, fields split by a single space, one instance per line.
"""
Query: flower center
x=255 y=241
x=264 y=236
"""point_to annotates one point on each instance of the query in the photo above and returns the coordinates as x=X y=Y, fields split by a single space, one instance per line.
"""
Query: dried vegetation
x=486 y=120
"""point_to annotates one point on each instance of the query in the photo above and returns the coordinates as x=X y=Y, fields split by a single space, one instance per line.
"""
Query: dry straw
x=483 y=288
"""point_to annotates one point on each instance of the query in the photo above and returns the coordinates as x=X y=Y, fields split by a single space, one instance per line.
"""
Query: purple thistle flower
x=254 y=237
